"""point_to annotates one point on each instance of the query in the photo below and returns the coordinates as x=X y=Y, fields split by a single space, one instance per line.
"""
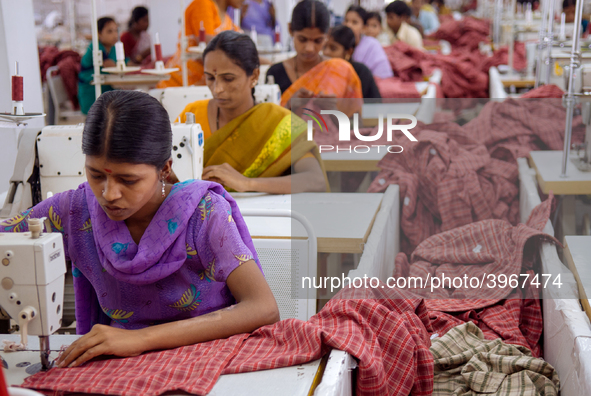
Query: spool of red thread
x=202 y=35
x=158 y=51
x=17 y=88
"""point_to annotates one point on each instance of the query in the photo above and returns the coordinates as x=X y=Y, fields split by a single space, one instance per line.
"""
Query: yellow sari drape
x=263 y=142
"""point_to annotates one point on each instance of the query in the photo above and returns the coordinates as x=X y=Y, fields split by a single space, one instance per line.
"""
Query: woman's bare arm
x=255 y=307
x=307 y=177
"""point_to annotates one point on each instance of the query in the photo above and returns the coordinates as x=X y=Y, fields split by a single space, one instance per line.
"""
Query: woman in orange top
x=212 y=13
x=309 y=74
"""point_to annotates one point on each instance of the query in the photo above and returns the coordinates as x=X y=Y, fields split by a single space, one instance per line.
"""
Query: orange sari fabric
x=198 y=11
x=333 y=76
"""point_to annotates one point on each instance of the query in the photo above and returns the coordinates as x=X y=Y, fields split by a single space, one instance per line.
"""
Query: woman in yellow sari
x=309 y=74
x=251 y=148
x=212 y=14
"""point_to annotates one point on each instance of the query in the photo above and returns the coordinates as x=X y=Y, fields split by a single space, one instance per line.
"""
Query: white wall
x=17 y=43
x=165 y=19
x=118 y=9
x=340 y=6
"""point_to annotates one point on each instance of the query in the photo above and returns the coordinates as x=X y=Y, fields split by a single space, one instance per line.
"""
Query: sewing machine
x=32 y=277
x=61 y=162
x=187 y=149
x=176 y=99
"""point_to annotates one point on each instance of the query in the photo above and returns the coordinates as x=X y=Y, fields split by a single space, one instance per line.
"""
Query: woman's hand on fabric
x=109 y=63
x=326 y=96
x=303 y=93
x=227 y=176
x=102 y=340
x=326 y=101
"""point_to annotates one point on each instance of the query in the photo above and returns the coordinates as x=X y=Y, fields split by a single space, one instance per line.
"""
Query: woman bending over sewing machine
x=309 y=74
x=250 y=147
x=156 y=266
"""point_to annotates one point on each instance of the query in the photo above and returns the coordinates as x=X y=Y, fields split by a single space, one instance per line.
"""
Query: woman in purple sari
x=155 y=266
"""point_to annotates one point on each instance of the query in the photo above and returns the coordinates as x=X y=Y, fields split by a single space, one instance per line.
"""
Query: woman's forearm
x=270 y=185
x=291 y=184
x=243 y=317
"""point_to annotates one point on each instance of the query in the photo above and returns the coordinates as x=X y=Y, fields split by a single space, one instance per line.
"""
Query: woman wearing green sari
x=251 y=148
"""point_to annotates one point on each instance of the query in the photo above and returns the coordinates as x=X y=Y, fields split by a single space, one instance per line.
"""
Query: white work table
x=143 y=81
x=344 y=161
x=548 y=166
x=294 y=380
x=342 y=222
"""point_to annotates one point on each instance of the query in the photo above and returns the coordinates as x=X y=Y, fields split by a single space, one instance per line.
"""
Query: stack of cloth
x=501 y=57
x=464 y=72
x=491 y=251
x=467 y=364
x=456 y=175
x=545 y=91
x=393 y=87
x=69 y=67
x=386 y=332
x=467 y=33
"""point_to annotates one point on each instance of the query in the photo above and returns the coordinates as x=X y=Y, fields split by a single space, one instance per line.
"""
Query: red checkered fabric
x=501 y=57
x=445 y=183
x=456 y=175
x=406 y=61
x=484 y=247
x=384 y=330
x=545 y=91
x=464 y=71
x=533 y=123
x=394 y=87
x=489 y=247
x=466 y=33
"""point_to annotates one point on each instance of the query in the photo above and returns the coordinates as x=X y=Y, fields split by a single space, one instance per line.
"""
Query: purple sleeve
x=371 y=53
x=219 y=243
x=55 y=209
